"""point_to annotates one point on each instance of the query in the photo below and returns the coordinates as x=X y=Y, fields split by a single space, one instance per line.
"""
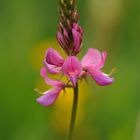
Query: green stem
x=73 y=114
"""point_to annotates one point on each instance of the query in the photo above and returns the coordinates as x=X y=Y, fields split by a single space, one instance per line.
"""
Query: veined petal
x=101 y=78
x=54 y=58
x=52 y=68
x=77 y=41
x=72 y=68
x=102 y=61
x=94 y=59
x=60 y=39
x=49 y=97
x=78 y=28
x=55 y=83
x=75 y=26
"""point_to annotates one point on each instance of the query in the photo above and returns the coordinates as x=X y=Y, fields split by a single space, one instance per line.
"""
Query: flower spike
x=70 y=37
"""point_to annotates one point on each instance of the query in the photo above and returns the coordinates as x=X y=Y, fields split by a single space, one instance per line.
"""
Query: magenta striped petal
x=101 y=78
x=55 y=83
x=49 y=97
x=52 y=68
x=72 y=68
x=60 y=39
x=77 y=41
x=102 y=61
x=78 y=28
x=94 y=59
x=54 y=58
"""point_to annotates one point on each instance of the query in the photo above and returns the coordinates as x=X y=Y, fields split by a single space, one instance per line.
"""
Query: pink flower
x=50 y=96
x=75 y=70
x=72 y=68
x=92 y=63
x=55 y=64
x=53 y=61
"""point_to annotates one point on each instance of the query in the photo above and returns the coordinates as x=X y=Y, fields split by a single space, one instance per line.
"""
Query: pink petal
x=60 y=39
x=52 y=68
x=49 y=97
x=43 y=72
x=72 y=68
x=75 y=26
x=54 y=58
x=92 y=57
x=102 y=61
x=101 y=78
x=78 y=28
x=55 y=83
x=77 y=41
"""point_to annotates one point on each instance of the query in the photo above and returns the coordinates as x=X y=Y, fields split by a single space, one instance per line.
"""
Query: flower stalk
x=74 y=112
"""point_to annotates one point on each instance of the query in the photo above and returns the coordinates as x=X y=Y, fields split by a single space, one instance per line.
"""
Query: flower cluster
x=70 y=36
x=74 y=70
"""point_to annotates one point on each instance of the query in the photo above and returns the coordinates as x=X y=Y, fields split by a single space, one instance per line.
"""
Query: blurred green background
x=27 y=28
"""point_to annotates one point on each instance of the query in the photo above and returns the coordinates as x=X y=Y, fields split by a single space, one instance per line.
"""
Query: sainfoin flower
x=92 y=63
x=74 y=70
